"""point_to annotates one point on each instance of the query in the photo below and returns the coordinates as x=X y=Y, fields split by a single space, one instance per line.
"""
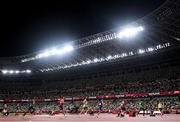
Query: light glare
x=28 y=71
x=15 y=71
x=130 y=32
x=4 y=71
x=55 y=51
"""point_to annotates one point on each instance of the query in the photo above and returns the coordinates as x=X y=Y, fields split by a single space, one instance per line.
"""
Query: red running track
x=88 y=118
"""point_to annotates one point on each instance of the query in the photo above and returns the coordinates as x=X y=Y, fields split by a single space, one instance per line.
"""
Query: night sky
x=29 y=26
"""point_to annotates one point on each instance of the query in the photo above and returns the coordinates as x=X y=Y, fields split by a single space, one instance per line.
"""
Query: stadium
x=129 y=73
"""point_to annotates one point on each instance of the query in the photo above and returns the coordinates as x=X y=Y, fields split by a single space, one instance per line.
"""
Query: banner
x=98 y=97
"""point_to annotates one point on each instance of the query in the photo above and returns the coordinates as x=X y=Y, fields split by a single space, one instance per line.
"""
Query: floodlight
x=28 y=71
x=101 y=59
x=4 y=71
x=167 y=44
x=95 y=60
x=17 y=71
x=46 y=54
x=40 y=55
x=159 y=46
x=109 y=57
x=131 y=53
x=53 y=51
x=123 y=55
x=68 y=48
x=130 y=32
x=140 y=28
x=141 y=51
x=83 y=62
x=88 y=61
x=11 y=71
x=150 y=49
x=116 y=56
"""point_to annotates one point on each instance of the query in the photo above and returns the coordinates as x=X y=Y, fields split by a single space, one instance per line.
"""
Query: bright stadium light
x=55 y=51
x=140 y=28
x=116 y=56
x=4 y=71
x=141 y=51
x=68 y=48
x=11 y=71
x=110 y=57
x=123 y=55
x=46 y=54
x=88 y=61
x=130 y=32
x=131 y=53
x=150 y=49
x=28 y=71
x=17 y=71
x=95 y=60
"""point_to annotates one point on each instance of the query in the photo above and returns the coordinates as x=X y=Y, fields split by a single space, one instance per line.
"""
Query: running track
x=88 y=118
